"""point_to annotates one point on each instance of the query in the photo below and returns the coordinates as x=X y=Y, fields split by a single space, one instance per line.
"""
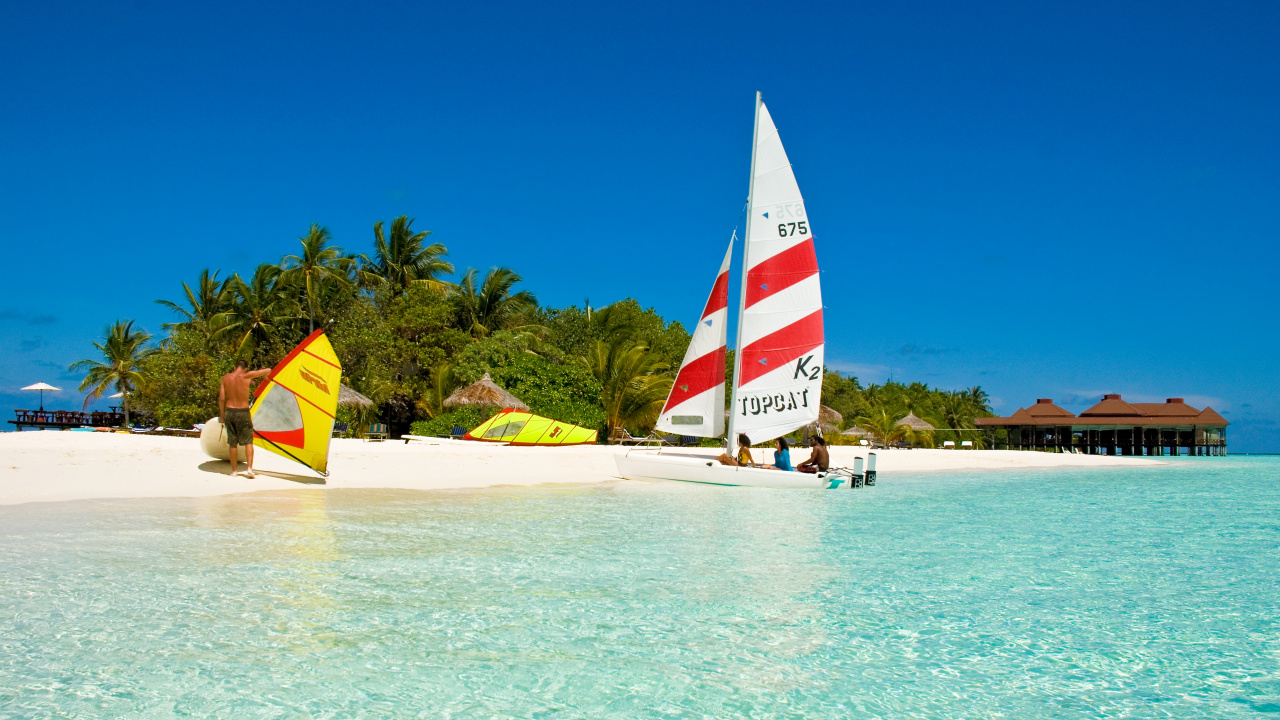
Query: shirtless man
x=819 y=460
x=233 y=411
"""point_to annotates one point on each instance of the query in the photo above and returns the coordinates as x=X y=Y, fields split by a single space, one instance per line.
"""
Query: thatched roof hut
x=915 y=423
x=351 y=398
x=484 y=393
x=857 y=432
x=828 y=416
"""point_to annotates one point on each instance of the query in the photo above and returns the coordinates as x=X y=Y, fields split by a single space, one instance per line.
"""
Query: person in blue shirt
x=781 y=456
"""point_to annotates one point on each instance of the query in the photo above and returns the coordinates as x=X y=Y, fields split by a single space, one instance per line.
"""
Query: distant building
x=1114 y=427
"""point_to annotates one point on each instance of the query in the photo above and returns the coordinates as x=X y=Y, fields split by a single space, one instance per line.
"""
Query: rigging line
x=286 y=452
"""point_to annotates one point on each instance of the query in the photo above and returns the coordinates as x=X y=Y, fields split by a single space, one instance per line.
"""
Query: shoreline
x=51 y=466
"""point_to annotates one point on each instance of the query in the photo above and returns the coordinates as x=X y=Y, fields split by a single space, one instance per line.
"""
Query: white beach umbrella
x=42 y=386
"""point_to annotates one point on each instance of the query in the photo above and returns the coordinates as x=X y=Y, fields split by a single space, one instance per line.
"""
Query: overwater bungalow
x=1114 y=427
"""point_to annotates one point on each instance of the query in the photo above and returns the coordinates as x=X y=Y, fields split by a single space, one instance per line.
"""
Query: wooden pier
x=65 y=419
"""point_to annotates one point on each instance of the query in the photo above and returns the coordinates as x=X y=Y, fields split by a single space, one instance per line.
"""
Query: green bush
x=443 y=423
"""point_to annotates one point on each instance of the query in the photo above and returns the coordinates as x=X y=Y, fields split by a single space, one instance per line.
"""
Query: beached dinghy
x=777 y=375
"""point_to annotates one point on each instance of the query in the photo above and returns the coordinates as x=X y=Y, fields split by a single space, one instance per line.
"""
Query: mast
x=731 y=437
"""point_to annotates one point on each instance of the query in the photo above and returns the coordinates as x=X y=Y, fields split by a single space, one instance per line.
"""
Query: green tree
x=492 y=306
x=883 y=425
x=633 y=380
x=440 y=384
x=123 y=350
x=319 y=264
x=259 y=310
x=400 y=260
x=183 y=378
x=205 y=303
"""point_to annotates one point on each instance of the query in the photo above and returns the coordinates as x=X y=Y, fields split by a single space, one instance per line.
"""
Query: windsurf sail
x=696 y=403
x=293 y=415
x=518 y=427
x=778 y=366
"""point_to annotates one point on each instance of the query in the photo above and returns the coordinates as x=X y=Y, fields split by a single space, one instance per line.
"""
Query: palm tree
x=206 y=302
x=633 y=380
x=882 y=425
x=400 y=260
x=492 y=306
x=979 y=399
x=319 y=263
x=122 y=349
x=259 y=309
x=441 y=383
x=955 y=412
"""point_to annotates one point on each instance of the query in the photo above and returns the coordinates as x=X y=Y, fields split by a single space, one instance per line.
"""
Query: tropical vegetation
x=408 y=335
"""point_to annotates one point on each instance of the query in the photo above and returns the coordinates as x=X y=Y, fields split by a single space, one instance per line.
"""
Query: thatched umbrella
x=857 y=432
x=484 y=393
x=351 y=398
x=915 y=423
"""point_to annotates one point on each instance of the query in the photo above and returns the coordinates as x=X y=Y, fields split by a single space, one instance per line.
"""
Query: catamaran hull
x=650 y=465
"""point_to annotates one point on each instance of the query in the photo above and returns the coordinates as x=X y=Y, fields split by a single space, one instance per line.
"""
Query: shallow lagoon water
x=1143 y=592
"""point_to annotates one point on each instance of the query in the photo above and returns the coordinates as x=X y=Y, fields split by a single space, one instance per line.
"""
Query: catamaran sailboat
x=777 y=374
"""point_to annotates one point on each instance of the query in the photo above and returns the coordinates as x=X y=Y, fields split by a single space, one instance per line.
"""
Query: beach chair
x=340 y=428
x=966 y=445
x=949 y=445
x=620 y=436
x=377 y=433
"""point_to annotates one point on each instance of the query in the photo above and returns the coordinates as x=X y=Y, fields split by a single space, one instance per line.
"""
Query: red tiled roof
x=1111 y=411
x=1112 y=406
x=1044 y=407
x=1208 y=417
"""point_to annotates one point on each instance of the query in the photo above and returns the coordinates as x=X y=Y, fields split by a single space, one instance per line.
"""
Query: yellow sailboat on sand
x=294 y=412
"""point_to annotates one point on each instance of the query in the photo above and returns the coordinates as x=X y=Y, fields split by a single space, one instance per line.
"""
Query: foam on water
x=1120 y=593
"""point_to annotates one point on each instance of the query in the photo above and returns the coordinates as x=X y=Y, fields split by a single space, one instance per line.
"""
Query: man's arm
x=258 y=373
x=222 y=399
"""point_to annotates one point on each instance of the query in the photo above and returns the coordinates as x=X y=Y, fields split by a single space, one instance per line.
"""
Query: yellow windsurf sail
x=293 y=415
x=524 y=428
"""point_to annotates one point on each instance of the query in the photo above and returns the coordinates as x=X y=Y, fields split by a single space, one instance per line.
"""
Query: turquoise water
x=1124 y=593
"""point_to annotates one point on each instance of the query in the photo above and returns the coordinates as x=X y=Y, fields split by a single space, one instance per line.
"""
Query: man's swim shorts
x=239 y=426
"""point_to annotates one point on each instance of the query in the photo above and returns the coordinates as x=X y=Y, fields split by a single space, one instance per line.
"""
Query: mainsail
x=696 y=403
x=293 y=415
x=778 y=366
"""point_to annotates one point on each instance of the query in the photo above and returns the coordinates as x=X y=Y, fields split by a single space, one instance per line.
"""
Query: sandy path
x=53 y=466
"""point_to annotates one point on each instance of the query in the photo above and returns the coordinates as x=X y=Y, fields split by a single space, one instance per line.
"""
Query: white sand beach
x=55 y=466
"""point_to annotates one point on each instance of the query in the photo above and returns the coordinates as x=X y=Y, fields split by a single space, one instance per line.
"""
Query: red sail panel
x=779 y=348
x=781 y=271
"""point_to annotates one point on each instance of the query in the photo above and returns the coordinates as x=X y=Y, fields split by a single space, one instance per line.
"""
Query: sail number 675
x=789 y=229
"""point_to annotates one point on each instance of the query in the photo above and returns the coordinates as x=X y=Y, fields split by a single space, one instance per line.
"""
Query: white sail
x=778 y=367
x=696 y=403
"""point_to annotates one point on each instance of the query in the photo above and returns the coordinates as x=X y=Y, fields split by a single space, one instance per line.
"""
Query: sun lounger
x=620 y=436
x=377 y=432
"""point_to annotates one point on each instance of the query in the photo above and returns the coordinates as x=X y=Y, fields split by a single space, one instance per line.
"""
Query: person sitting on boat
x=781 y=456
x=744 y=454
x=819 y=460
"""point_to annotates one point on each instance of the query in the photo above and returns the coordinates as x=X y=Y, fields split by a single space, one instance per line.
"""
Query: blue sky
x=1047 y=199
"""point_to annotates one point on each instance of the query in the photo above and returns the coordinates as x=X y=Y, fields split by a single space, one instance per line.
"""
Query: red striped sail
x=696 y=403
x=778 y=385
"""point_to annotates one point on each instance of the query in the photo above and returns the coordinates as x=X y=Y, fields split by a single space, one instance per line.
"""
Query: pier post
x=871 y=469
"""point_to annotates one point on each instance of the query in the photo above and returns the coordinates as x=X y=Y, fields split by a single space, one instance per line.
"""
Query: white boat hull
x=657 y=465
x=213 y=440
